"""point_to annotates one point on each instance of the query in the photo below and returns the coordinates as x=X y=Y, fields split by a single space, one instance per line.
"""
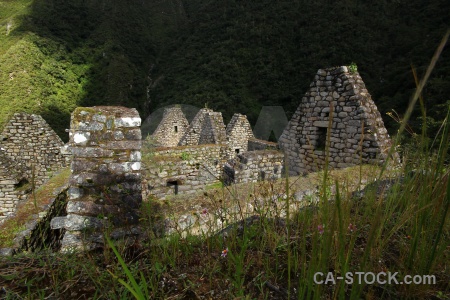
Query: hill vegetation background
x=234 y=56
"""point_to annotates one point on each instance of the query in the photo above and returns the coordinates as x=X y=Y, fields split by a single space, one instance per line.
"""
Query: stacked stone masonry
x=257 y=144
x=172 y=128
x=254 y=166
x=33 y=145
x=186 y=169
x=13 y=185
x=207 y=127
x=337 y=105
x=105 y=184
x=238 y=133
x=30 y=153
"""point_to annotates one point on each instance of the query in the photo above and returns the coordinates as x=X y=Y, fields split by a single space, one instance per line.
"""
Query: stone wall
x=357 y=132
x=33 y=145
x=207 y=127
x=254 y=166
x=172 y=128
x=105 y=185
x=238 y=133
x=37 y=234
x=183 y=170
x=13 y=185
x=257 y=144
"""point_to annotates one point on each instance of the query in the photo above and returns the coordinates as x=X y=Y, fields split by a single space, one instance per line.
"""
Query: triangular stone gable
x=172 y=128
x=357 y=131
x=239 y=132
x=30 y=142
x=207 y=127
x=213 y=130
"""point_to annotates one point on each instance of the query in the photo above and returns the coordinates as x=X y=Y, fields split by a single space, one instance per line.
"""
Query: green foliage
x=185 y=156
x=235 y=56
x=353 y=68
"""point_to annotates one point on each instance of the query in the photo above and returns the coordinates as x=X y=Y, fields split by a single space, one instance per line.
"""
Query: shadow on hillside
x=109 y=47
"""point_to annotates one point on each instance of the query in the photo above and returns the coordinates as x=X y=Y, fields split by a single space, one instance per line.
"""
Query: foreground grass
x=272 y=257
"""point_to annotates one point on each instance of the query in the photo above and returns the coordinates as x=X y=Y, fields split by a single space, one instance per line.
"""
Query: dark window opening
x=197 y=166
x=236 y=150
x=321 y=138
x=262 y=175
x=173 y=184
x=176 y=128
x=23 y=184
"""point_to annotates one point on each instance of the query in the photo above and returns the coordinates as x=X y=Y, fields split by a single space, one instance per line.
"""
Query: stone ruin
x=105 y=186
x=198 y=160
x=33 y=145
x=207 y=127
x=13 y=185
x=337 y=105
x=172 y=127
x=30 y=153
x=254 y=166
x=238 y=133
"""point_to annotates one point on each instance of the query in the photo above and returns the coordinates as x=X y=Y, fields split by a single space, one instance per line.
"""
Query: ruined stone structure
x=183 y=169
x=199 y=159
x=30 y=142
x=254 y=166
x=30 y=153
x=357 y=134
x=257 y=144
x=13 y=185
x=238 y=133
x=172 y=128
x=105 y=185
x=206 y=128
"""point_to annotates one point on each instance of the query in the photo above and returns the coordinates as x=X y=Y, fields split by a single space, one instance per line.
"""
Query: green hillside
x=236 y=56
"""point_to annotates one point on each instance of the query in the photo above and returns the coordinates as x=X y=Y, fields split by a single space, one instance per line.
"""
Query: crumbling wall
x=33 y=145
x=357 y=132
x=105 y=185
x=183 y=170
x=238 y=133
x=257 y=144
x=13 y=186
x=172 y=128
x=254 y=166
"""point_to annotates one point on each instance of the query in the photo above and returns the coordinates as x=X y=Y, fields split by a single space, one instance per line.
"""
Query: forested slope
x=236 y=56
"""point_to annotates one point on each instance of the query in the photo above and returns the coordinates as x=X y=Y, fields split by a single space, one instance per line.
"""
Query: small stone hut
x=337 y=105
x=238 y=133
x=172 y=127
x=207 y=127
x=32 y=144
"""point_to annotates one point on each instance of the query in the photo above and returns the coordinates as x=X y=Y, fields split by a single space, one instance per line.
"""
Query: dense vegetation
x=236 y=56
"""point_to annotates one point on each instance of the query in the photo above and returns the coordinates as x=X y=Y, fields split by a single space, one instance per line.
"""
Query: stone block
x=127 y=122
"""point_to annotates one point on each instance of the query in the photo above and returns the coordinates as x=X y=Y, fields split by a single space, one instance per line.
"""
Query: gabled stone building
x=172 y=128
x=207 y=127
x=32 y=144
x=337 y=105
x=238 y=133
